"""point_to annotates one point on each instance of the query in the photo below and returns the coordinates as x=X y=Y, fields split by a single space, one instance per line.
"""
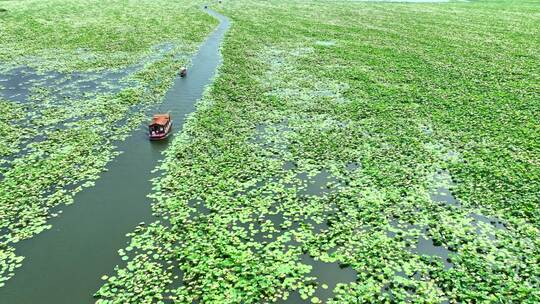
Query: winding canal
x=65 y=263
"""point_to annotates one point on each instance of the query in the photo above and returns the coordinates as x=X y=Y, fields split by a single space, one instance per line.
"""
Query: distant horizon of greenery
x=87 y=35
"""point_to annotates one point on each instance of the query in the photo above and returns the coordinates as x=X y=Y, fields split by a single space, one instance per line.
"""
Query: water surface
x=64 y=264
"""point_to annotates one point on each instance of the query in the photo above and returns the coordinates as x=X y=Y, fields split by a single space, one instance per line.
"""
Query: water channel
x=65 y=263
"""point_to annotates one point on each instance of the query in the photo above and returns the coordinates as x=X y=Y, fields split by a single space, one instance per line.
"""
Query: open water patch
x=441 y=191
x=426 y=246
x=18 y=84
x=199 y=207
x=272 y=137
x=322 y=183
x=352 y=166
x=322 y=279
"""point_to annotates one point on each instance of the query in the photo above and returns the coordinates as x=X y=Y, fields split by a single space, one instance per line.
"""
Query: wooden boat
x=160 y=127
x=183 y=72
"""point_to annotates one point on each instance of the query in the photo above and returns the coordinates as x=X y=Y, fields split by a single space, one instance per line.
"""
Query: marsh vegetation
x=346 y=152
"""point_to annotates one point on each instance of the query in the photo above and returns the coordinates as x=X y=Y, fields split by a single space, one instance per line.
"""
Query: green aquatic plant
x=57 y=131
x=86 y=34
x=11 y=131
x=322 y=145
x=326 y=142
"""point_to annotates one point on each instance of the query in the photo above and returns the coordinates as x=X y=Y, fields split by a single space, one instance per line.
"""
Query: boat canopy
x=160 y=119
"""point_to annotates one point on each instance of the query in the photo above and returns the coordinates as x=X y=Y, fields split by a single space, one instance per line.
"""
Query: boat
x=160 y=127
x=183 y=72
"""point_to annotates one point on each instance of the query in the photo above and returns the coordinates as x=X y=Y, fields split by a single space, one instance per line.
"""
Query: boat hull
x=161 y=136
x=153 y=138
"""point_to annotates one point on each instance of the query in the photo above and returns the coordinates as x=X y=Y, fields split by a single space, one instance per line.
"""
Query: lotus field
x=345 y=152
x=69 y=88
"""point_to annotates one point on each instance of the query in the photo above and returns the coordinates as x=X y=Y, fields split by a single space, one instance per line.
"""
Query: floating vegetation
x=385 y=153
x=62 y=111
x=356 y=171
x=99 y=40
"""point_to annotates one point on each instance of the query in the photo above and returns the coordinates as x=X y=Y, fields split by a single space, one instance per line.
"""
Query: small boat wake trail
x=64 y=264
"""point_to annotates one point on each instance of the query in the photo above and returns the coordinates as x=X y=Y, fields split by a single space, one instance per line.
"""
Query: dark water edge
x=65 y=263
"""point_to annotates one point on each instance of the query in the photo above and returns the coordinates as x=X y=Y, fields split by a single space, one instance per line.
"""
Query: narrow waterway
x=65 y=263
